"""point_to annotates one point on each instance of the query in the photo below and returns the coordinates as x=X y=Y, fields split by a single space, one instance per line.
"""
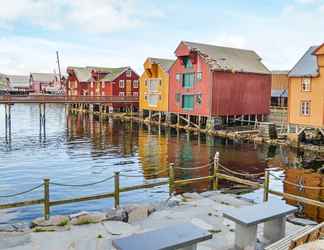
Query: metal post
x=216 y=166
x=6 y=122
x=171 y=179
x=266 y=185
x=116 y=196
x=46 y=199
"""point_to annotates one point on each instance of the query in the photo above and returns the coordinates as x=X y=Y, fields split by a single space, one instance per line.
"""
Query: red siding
x=240 y=93
x=200 y=87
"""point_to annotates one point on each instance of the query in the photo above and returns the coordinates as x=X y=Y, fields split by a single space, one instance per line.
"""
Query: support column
x=188 y=122
x=178 y=119
x=150 y=115
x=8 y=123
x=199 y=121
x=159 y=117
x=274 y=230
x=42 y=121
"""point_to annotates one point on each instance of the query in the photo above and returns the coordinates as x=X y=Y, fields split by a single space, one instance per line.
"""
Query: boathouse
x=19 y=84
x=279 y=88
x=101 y=81
x=154 y=88
x=212 y=85
x=306 y=92
x=45 y=82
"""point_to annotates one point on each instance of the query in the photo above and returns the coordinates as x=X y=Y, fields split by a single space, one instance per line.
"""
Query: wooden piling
x=216 y=167
x=46 y=199
x=266 y=185
x=171 y=179
x=117 y=190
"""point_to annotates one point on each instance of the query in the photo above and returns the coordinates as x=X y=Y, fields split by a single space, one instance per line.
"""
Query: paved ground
x=204 y=210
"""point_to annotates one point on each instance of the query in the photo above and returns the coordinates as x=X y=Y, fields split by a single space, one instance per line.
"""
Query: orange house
x=306 y=92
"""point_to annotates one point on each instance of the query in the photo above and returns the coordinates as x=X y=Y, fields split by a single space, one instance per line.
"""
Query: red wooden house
x=99 y=81
x=217 y=85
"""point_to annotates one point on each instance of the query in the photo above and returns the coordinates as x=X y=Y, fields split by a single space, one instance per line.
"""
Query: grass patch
x=63 y=223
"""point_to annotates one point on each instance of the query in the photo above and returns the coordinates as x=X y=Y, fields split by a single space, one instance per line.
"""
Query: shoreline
x=203 y=210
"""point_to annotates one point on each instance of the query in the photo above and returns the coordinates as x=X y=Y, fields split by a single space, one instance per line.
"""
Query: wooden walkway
x=68 y=99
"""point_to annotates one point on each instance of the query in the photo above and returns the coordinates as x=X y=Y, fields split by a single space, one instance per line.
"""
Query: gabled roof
x=85 y=74
x=164 y=63
x=307 y=66
x=229 y=59
x=44 y=77
x=18 y=81
x=82 y=74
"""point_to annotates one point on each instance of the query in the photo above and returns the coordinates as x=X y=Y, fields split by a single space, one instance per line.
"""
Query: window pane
x=188 y=101
x=188 y=80
x=187 y=62
x=153 y=100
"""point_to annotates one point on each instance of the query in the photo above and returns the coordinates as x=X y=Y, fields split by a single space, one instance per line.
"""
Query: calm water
x=80 y=149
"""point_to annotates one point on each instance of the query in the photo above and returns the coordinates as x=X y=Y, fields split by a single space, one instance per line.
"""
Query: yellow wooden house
x=306 y=92
x=154 y=88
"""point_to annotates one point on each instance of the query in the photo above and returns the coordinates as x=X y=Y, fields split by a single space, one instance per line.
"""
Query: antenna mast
x=58 y=64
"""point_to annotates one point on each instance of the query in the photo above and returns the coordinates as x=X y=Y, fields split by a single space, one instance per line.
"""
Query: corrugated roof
x=82 y=74
x=19 y=81
x=307 y=65
x=114 y=72
x=164 y=63
x=230 y=59
x=44 y=77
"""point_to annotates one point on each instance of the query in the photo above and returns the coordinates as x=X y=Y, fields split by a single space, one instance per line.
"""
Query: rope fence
x=216 y=173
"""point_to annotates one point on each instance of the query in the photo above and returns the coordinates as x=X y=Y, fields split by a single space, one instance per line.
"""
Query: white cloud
x=88 y=15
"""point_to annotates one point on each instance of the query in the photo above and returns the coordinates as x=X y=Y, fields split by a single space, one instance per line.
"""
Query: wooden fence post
x=216 y=166
x=171 y=179
x=266 y=185
x=116 y=195
x=46 y=199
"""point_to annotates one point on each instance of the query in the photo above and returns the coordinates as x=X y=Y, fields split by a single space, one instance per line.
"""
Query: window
x=198 y=99
x=121 y=84
x=153 y=84
x=188 y=102
x=153 y=99
x=135 y=84
x=135 y=93
x=178 y=77
x=306 y=84
x=145 y=97
x=188 y=80
x=187 y=62
x=178 y=97
x=121 y=93
x=199 y=76
x=128 y=73
x=305 y=108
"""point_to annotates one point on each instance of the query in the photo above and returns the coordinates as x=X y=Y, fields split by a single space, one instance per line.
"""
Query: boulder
x=118 y=214
x=58 y=220
x=136 y=213
x=87 y=218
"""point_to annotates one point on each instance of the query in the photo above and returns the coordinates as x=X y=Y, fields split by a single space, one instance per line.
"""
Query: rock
x=119 y=228
x=58 y=220
x=192 y=196
x=118 y=214
x=136 y=213
x=301 y=221
x=87 y=218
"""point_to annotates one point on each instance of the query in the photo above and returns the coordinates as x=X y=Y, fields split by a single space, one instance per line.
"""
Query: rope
x=21 y=193
x=194 y=168
x=297 y=185
x=81 y=185
x=240 y=173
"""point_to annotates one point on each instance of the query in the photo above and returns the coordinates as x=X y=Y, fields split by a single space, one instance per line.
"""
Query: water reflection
x=83 y=148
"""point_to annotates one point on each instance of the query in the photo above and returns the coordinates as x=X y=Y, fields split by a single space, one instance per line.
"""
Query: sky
x=115 y=33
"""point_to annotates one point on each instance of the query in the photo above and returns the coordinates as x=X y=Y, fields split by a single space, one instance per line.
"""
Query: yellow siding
x=315 y=96
x=163 y=90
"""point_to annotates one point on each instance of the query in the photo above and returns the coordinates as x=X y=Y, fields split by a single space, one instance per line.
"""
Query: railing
x=67 y=99
x=218 y=172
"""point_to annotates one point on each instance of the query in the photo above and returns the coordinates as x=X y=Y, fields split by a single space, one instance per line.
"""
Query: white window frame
x=306 y=84
x=135 y=84
x=305 y=108
x=122 y=93
x=121 y=84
